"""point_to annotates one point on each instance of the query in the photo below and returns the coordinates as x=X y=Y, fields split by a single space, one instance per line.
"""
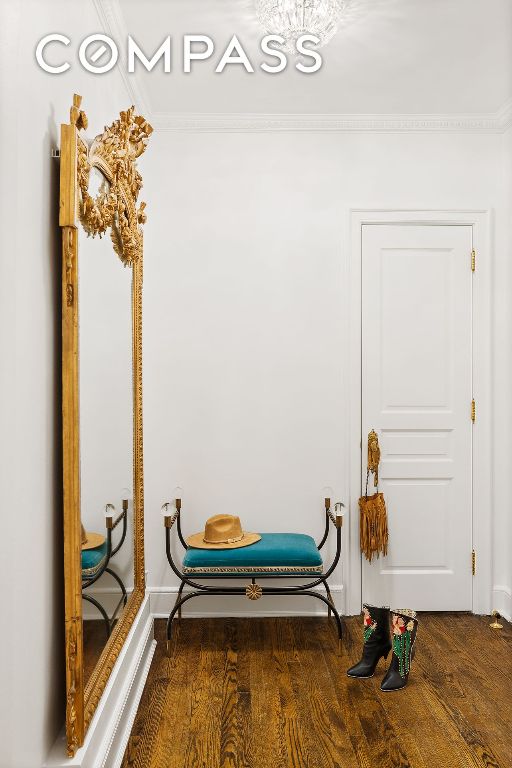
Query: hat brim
x=93 y=540
x=197 y=541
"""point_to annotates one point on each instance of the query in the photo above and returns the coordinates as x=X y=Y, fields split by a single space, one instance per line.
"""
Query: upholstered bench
x=93 y=561
x=96 y=561
x=274 y=556
x=281 y=554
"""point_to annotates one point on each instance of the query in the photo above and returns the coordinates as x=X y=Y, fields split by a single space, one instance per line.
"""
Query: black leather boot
x=404 y=628
x=377 y=642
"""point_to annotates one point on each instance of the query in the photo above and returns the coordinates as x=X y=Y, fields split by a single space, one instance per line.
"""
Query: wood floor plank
x=244 y=704
x=314 y=719
x=175 y=722
x=161 y=683
x=456 y=674
x=326 y=710
x=229 y=721
x=337 y=667
x=203 y=747
x=273 y=693
x=267 y=721
x=291 y=730
x=383 y=746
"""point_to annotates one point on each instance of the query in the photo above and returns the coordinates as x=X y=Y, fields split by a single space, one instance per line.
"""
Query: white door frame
x=482 y=360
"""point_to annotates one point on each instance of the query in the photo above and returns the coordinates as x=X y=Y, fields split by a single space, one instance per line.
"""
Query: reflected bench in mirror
x=96 y=561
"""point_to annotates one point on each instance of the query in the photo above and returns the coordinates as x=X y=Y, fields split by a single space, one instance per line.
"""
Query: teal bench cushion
x=93 y=560
x=279 y=553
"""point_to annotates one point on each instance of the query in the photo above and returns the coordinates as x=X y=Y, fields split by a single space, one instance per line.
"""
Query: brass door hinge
x=473 y=260
x=473 y=562
x=473 y=410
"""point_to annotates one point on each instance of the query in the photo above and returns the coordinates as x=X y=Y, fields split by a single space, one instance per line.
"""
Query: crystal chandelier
x=293 y=18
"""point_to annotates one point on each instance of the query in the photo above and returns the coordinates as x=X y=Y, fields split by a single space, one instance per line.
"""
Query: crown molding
x=112 y=22
x=264 y=123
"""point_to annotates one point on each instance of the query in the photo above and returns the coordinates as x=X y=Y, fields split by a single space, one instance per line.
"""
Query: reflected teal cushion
x=93 y=560
x=279 y=553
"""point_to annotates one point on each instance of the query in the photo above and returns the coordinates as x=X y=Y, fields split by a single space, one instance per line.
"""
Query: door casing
x=479 y=220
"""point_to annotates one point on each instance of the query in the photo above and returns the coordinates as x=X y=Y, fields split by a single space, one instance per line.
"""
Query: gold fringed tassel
x=373 y=526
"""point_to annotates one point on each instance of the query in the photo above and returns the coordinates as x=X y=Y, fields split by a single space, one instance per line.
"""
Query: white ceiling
x=391 y=57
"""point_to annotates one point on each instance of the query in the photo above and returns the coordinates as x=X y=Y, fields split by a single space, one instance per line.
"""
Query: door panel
x=416 y=393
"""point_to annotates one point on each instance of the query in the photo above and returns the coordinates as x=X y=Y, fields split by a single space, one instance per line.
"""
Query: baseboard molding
x=117 y=745
x=108 y=597
x=502 y=601
x=110 y=727
x=162 y=600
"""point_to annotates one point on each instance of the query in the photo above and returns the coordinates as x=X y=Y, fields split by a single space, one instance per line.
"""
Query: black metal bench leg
x=178 y=597
x=177 y=607
x=333 y=608
x=121 y=585
x=329 y=609
x=101 y=610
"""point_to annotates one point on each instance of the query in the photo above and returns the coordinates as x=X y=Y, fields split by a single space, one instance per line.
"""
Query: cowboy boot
x=405 y=627
x=376 y=641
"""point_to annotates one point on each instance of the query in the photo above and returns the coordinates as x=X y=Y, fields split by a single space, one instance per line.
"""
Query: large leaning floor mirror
x=101 y=220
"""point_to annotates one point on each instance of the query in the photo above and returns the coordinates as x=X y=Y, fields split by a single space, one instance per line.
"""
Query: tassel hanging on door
x=373 y=515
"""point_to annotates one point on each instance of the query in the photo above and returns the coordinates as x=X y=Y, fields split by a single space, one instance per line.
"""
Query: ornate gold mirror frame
x=114 y=154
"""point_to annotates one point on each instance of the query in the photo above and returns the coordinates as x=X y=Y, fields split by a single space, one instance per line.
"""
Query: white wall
x=33 y=106
x=245 y=338
x=502 y=555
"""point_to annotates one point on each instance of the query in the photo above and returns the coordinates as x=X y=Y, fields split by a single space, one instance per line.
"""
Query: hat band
x=225 y=541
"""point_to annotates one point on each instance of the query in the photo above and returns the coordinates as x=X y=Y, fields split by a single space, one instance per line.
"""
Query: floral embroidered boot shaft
x=405 y=627
x=377 y=642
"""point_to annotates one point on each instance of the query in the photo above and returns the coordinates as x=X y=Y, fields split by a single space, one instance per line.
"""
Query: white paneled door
x=416 y=394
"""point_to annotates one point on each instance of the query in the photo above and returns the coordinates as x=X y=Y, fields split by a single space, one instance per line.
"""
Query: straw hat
x=91 y=540
x=222 y=532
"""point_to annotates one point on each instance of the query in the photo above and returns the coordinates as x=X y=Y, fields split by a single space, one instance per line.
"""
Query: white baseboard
x=110 y=727
x=502 y=601
x=108 y=597
x=163 y=599
x=117 y=745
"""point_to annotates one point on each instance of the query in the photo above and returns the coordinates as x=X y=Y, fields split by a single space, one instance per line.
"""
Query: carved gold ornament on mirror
x=115 y=207
x=114 y=153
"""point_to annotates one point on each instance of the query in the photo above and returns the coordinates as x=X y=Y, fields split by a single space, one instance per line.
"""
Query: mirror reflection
x=106 y=436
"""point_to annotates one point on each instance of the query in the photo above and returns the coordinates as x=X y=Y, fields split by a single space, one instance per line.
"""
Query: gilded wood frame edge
x=82 y=703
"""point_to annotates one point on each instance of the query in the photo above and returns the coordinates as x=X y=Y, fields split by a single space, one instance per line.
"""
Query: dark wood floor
x=272 y=693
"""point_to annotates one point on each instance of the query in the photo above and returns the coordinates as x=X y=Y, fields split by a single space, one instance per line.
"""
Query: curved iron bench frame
x=308 y=589
x=110 y=525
